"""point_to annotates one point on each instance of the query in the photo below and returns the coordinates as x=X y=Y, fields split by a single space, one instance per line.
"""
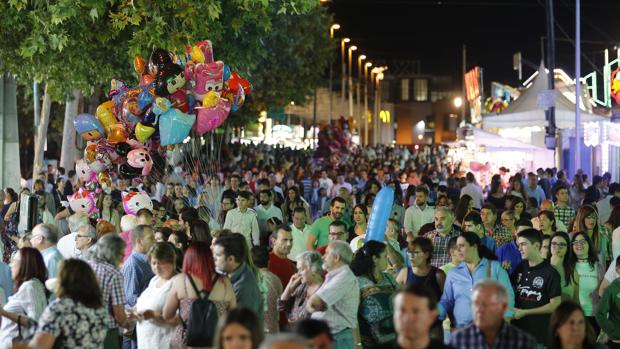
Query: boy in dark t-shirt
x=537 y=287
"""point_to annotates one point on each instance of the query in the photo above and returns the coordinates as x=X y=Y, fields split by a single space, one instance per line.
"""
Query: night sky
x=493 y=30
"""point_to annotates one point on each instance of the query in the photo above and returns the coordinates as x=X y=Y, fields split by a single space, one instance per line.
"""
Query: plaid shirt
x=441 y=254
x=509 y=337
x=564 y=214
x=501 y=235
x=111 y=282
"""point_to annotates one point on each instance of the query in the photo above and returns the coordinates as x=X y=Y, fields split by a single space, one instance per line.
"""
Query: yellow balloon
x=117 y=133
x=106 y=116
x=197 y=55
x=210 y=100
x=143 y=132
x=104 y=179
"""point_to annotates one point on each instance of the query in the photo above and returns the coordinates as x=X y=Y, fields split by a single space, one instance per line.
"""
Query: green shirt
x=320 y=230
x=588 y=283
x=608 y=313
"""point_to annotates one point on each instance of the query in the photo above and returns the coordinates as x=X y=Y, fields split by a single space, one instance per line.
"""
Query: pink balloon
x=140 y=158
x=208 y=119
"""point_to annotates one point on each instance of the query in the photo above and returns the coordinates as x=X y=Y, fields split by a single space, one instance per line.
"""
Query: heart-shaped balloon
x=143 y=132
x=174 y=125
x=208 y=119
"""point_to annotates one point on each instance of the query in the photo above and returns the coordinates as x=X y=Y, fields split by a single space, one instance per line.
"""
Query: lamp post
x=378 y=96
x=358 y=97
x=351 y=49
x=374 y=116
x=333 y=28
x=366 y=66
x=344 y=73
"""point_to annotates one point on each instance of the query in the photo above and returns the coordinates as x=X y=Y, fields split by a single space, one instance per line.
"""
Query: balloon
x=145 y=98
x=143 y=132
x=179 y=101
x=210 y=100
x=170 y=79
x=128 y=172
x=159 y=59
x=174 y=125
x=88 y=126
x=208 y=119
x=104 y=179
x=105 y=115
x=379 y=215
x=116 y=87
x=117 y=133
x=83 y=171
x=122 y=148
x=130 y=112
x=139 y=65
x=82 y=202
x=140 y=158
x=226 y=72
x=135 y=201
x=206 y=77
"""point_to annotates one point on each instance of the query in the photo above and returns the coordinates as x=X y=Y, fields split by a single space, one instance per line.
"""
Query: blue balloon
x=174 y=125
x=226 y=72
x=379 y=215
x=88 y=126
x=145 y=98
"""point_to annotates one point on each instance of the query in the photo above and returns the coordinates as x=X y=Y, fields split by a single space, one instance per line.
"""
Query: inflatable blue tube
x=379 y=215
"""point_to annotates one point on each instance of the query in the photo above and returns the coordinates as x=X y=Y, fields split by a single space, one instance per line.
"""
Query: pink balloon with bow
x=140 y=158
x=83 y=202
x=208 y=119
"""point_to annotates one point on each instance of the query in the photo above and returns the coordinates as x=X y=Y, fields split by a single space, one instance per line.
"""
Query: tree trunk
x=68 y=150
x=41 y=138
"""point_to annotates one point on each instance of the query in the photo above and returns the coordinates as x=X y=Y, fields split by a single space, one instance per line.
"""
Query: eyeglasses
x=81 y=236
x=579 y=242
x=558 y=244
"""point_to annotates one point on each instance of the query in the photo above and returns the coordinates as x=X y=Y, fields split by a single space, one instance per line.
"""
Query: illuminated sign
x=472 y=84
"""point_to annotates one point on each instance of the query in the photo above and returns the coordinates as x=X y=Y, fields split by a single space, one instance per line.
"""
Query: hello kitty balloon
x=82 y=202
x=135 y=201
x=84 y=172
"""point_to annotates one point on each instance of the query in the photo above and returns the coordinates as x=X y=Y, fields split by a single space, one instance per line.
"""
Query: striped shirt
x=441 y=254
x=509 y=337
x=111 y=282
x=564 y=214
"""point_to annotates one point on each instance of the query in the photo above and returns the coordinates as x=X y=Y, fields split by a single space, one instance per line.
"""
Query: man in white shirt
x=334 y=302
x=44 y=238
x=341 y=184
x=326 y=182
x=243 y=220
x=604 y=205
x=300 y=230
x=267 y=209
x=473 y=189
x=420 y=213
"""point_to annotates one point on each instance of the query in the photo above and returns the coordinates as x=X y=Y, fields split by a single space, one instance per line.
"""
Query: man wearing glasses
x=537 y=287
x=337 y=232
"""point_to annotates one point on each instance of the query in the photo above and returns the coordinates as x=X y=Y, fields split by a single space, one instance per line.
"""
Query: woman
x=545 y=247
x=360 y=218
x=162 y=234
x=179 y=205
x=496 y=195
x=377 y=289
x=189 y=194
x=303 y=284
x=613 y=224
x=76 y=318
x=569 y=328
x=108 y=211
x=199 y=231
x=10 y=215
x=546 y=221
x=198 y=265
x=240 y=330
x=586 y=221
x=466 y=203
x=588 y=273
x=443 y=201
x=152 y=330
x=24 y=308
x=577 y=191
x=518 y=206
x=270 y=287
x=516 y=187
x=561 y=258
x=292 y=201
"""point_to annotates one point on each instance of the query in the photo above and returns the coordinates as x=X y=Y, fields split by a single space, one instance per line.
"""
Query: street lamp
x=458 y=102
x=343 y=41
x=358 y=96
x=366 y=66
x=351 y=49
x=333 y=28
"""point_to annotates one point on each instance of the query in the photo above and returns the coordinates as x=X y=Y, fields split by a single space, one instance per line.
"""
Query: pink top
x=126 y=236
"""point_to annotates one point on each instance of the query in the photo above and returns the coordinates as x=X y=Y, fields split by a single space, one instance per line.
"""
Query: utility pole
x=551 y=131
x=463 y=79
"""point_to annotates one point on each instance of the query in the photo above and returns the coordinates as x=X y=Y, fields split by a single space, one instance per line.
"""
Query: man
x=547 y=205
x=279 y=264
x=144 y=216
x=537 y=287
x=242 y=220
x=489 y=330
x=340 y=184
x=167 y=200
x=284 y=341
x=508 y=254
x=544 y=182
x=229 y=257
x=457 y=295
x=415 y=312
x=604 y=205
x=66 y=244
x=337 y=232
x=44 y=238
x=300 y=231
x=317 y=333
x=473 y=223
x=533 y=190
x=473 y=189
x=497 y=232
x=267 y=209
x=320 y=229
x=137 y=272
x=85 y=238
x=444 y=230
x=69 y=183
x=187 y=216
x=563 y=212
x=58 y=194
x=334 y=302
x=326 y=182
x=608 y=312
x=233 y=191
x=420 y=213
x=226 y=204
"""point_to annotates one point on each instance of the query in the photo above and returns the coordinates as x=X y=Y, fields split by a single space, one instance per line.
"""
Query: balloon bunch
x=176 y=95
x=495 y=105
x=615 y=85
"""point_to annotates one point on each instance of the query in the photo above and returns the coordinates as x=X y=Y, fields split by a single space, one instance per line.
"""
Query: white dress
x=29 y=300
x=153 y=334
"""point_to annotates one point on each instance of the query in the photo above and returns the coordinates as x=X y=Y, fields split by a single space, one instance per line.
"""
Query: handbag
x=201 y=325
x=21 y=338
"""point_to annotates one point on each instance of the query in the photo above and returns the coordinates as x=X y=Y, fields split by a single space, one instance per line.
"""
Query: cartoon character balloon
x=135 y=201
x=140 y=158
x=84 y=172
x=88 y=127
x=82 y=202
x=174 y=125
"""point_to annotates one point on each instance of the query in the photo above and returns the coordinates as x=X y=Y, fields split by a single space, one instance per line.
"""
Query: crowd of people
x=270 y=251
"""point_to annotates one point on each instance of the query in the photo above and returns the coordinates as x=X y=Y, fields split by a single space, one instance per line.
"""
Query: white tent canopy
x=524 y=111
